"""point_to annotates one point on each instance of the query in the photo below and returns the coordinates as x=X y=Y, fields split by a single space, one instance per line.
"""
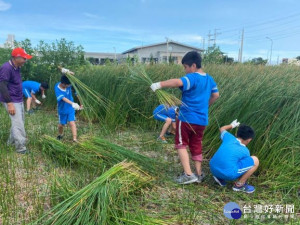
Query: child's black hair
x=245 y=132
x=65 y=80
x=192 y=57
x=44 y=85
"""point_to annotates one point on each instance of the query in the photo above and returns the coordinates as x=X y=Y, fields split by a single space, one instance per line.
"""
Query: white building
x=155 y=53
x=291 y=61
x=10 y=42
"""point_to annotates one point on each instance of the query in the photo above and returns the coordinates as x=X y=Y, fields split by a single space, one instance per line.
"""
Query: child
x=30 y=88
x=66 y=107
x=199 y=90
x=232 y=160
x=168 y=115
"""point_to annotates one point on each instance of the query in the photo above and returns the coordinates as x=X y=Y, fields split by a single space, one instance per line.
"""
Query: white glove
x=235 y=123
x=75 y=106
x=155 y=86
x=43 y=96
x=81 y=107
x=37 y=102
x=65 y=71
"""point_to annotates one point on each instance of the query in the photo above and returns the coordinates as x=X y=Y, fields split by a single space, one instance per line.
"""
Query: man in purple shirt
x=11 y=96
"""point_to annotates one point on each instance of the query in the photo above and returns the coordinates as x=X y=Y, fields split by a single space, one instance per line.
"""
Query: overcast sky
x=105 y=25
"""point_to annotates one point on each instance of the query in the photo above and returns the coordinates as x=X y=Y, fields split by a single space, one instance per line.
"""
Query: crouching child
x=232 y=161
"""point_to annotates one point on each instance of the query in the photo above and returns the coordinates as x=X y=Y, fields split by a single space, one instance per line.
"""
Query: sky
x=270 y=26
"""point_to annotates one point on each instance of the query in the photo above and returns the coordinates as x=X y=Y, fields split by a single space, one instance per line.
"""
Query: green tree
x=213 y=55
x=298 y=57
x=257 y=61
x=5 y=54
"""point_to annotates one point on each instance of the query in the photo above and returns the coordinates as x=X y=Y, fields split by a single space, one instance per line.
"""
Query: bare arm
x=67 y=101
x=171 y=83
x=33 y=96
x=226 y=127
x=213 y=97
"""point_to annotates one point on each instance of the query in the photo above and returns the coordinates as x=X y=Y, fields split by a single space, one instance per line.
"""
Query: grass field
x=265 y=98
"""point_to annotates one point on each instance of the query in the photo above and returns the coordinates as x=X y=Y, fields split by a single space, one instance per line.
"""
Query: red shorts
x=189 y=135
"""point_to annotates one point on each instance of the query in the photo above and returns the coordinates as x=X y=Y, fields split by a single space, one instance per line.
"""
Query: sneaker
x=75 y=141
x=29 y=112
x=186 y=179
x=162 y=140
x=244 y=188
x=220 y=181
x=200 y=177
x=169 y=134
x=59 y=137
x=25 y=151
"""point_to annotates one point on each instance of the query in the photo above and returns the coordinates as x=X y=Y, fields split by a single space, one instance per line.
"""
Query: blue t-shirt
x=225 y=161
x=31 y=86
x=63 y=107
x=196 y=92
x=164 y=110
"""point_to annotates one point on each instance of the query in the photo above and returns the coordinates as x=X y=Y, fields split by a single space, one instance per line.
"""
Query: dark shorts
x=189 y=135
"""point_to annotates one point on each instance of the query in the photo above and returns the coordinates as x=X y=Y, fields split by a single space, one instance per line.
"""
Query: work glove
x=75 y=106
x=65 y=71
x=81 y=107
x=155 y=86
x=37 y=102
x=235 y=123
x=43 y=96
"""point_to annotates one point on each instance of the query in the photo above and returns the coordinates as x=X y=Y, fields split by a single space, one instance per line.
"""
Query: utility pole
x=215 y=36
x=167 y=39
x=209 y=39
x=271 y=50
x=240 y=59
x=203 y=43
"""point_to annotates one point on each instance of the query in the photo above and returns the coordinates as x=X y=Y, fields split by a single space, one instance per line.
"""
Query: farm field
x=266 y=98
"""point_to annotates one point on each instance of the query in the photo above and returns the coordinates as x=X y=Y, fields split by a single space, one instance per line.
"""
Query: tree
x=257 y=61
x=215 y=55
x=298 y=57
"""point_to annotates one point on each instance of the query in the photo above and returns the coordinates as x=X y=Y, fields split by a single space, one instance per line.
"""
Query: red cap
x=20 y=52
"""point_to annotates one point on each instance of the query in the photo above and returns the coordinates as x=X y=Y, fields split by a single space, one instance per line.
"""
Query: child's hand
x=234 y=124
x=75 y=106
x=155 y=86
x=66 y=71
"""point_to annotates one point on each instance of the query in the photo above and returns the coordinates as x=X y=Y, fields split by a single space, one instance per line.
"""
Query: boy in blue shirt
x=30 y=88
x=232 y=160
x=66 y=107
x=199 y=91
x=166 y=114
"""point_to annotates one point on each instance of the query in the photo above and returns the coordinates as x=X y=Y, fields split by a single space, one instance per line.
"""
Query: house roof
x=162 y=43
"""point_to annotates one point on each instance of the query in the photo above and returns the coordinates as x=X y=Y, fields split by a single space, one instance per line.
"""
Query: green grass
x=267 y=98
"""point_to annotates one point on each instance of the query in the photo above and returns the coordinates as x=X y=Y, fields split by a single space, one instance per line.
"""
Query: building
x=169 y=51
x=10 y=42
x=291 y=61
x=161 y=52
x=101 y=58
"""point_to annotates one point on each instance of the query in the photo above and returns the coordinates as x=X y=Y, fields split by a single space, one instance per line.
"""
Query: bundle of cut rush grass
x=104 y=201
x=139 y=76
x=93 y=153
